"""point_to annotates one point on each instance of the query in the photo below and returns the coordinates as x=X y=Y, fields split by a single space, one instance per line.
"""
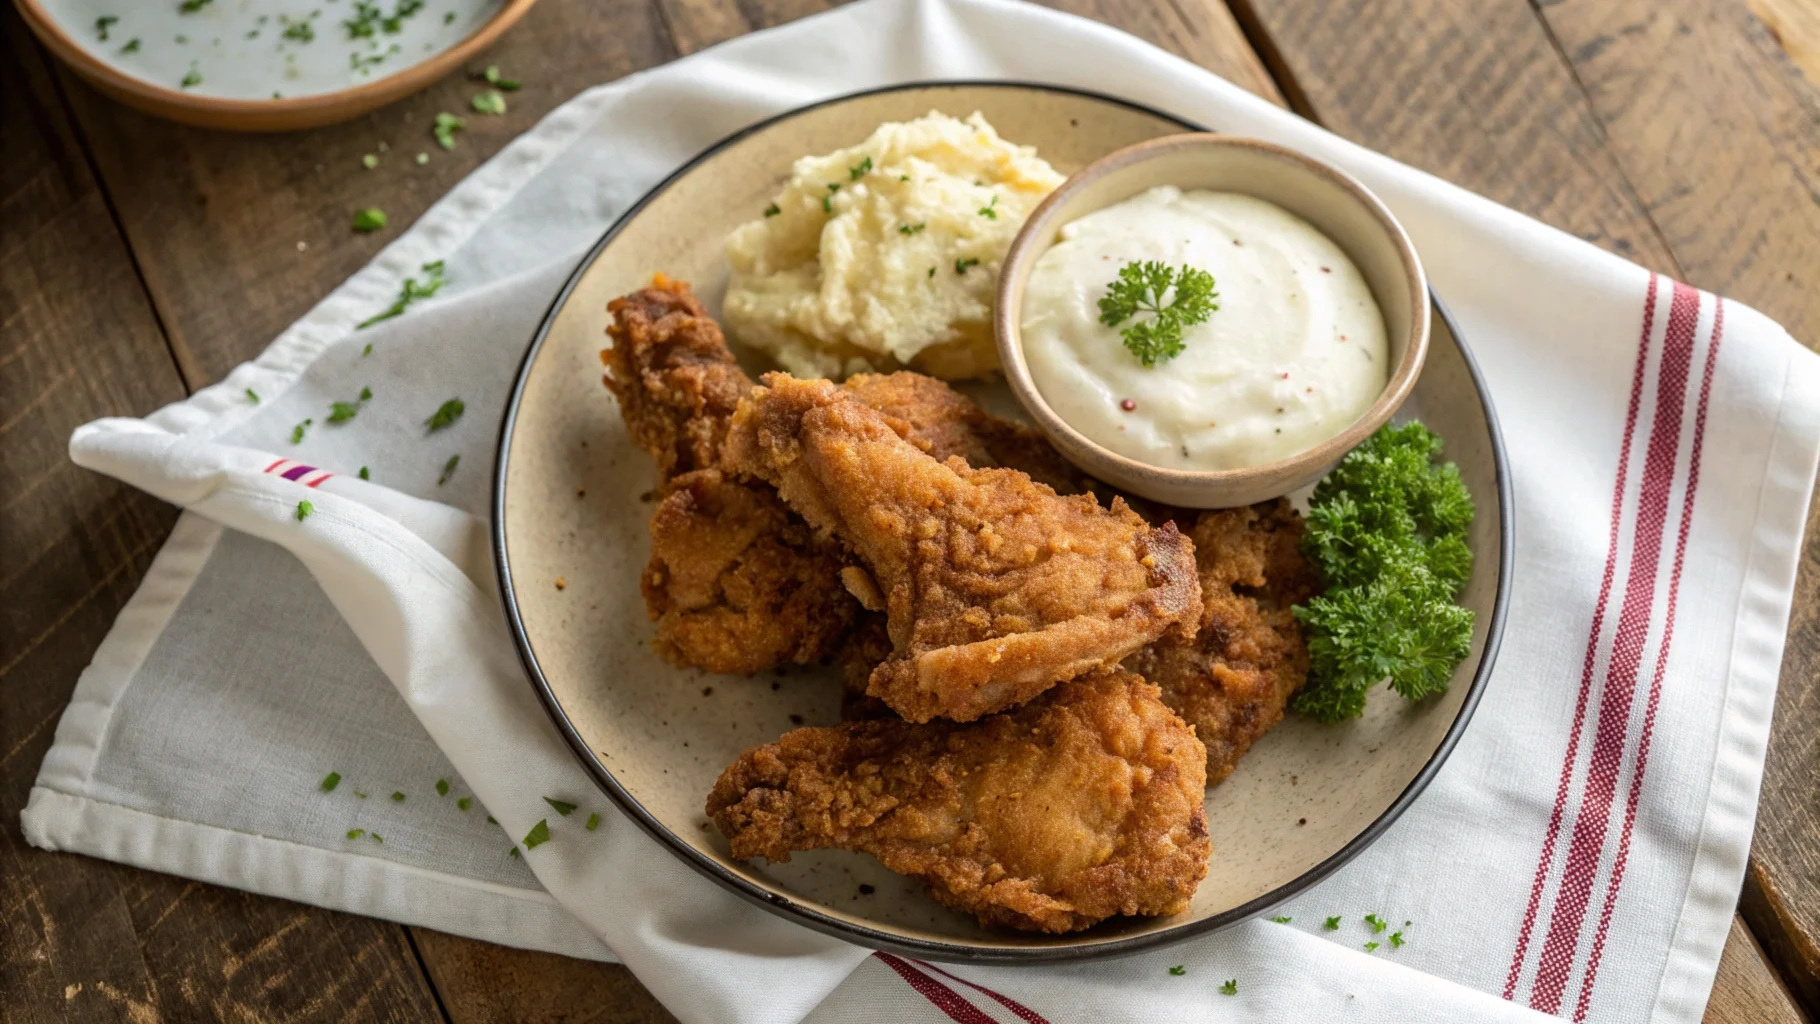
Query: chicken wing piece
x=737 y=582
x=943 y=422
x=1232 y=680
x=676 y=382
x=996 y=588
x=1084 y=803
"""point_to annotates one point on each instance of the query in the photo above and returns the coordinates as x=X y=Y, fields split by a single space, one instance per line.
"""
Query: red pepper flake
x=1237 y=242
x=1342 y=337
x=1285 y=374
x=1128 y=405
x=1309 y=390
x=1326 y=270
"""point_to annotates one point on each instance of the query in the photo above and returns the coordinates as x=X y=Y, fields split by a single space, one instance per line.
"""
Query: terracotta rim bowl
x=1332 y=201
x=280 y=115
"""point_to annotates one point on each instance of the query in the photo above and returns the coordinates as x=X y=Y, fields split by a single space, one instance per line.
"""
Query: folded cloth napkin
x=1579 y=854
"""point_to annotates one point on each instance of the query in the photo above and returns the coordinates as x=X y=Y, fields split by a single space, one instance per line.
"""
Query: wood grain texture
x=82 y=939
x=482 y=983
x=217 y=220
x=1746 y=991
x=1795 y=26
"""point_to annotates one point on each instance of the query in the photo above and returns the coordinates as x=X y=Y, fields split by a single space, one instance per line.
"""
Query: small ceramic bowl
x=1332 y=201
x=238 y=67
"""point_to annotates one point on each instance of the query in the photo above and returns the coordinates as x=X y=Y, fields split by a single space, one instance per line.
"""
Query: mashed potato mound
x=886 y=255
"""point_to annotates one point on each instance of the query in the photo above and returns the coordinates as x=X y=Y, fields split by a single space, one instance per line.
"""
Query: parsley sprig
x=1140 y=288
x=1387 y=530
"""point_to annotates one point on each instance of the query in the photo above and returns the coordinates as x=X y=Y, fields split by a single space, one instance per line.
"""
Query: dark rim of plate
x=872 y=937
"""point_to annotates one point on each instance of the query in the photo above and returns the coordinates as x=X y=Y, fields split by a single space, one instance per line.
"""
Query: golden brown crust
x=1233 y=679
x=995 y=587
x=943 y=422
x=676 y=382
x=736 y=583
x=1081 y=805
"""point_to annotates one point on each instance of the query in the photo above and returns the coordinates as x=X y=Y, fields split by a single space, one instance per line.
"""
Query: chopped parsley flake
x=1231 y=988
x=370 y=161
x=408 y=293
x=903 y=177
x=990 y=210
x=490 y=102
x=772 y=210
x=297 y=431
x=1140 y=288
x=513 y=852
x=911 y=229
x=448 y=469
x=252 y=396
x=1396 y=940
x=464 y=803
x=492 y=820
x=491 y=74
x=539 y=834
x=1282 y=920
x=448 y=18
x=828 y=203
x=859 y=170
x=304 y=509
x=442 y=787
x=397 y=797
x=446 y=126
x=370 y=219
x=341 y=412
x=103 y=23
x=356 y=833
x=377 y=838
x=931 y=271
x=446 y=414
x=132 y=46
x=192 y=6
x=1377 y=923
x=363 y=474
x=359 y=794
x=192 y=77
x=364 y=63
x=1371 y=947
x=365 y=20
x=563 y=807
x=1178 y=970
x=593 y=821
x=298 y=31
x=330 y=781
x=961 y=265
x=1332 y=925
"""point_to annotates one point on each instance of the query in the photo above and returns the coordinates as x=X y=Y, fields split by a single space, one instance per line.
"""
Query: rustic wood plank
x=238 y=235
x=1746 y=991
x=482 y=983
x=82 y=939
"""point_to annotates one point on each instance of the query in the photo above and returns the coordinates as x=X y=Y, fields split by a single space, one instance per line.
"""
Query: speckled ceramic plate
x=1305 y=799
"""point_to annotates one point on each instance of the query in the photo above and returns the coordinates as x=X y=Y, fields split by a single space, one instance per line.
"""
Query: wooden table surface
x=140 y=261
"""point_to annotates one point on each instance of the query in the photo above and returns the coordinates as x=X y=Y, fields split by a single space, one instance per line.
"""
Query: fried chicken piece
x=1232 y=680
x=995 y=587
x=1084 y=803
x=737 y=583
x=676 y=382
x=943 y=422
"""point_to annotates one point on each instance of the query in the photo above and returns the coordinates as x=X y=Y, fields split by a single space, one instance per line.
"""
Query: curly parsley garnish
x=1140 y=289
x=1387 y=530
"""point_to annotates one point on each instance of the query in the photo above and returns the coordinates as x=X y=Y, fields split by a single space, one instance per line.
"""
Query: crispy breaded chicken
x=995 y=587
x=1232 y=680
x=1084 y=803
x=943 y=422
x=739 y=584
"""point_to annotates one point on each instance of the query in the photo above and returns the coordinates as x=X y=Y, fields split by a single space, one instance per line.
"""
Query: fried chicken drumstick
x=995 y=587
x=1084 y=803
x=1233 y=679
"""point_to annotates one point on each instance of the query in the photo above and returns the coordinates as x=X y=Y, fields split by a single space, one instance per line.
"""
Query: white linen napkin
x=1579 y=854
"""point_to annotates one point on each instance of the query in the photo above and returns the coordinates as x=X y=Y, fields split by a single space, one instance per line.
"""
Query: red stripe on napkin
x=1619 y=694
x=1023 y=1012
x=1655 y=685
x=944 y=998
x=1547 y=858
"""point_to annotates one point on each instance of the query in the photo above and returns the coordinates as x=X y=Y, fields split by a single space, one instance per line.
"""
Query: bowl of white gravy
x=1210 y=321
